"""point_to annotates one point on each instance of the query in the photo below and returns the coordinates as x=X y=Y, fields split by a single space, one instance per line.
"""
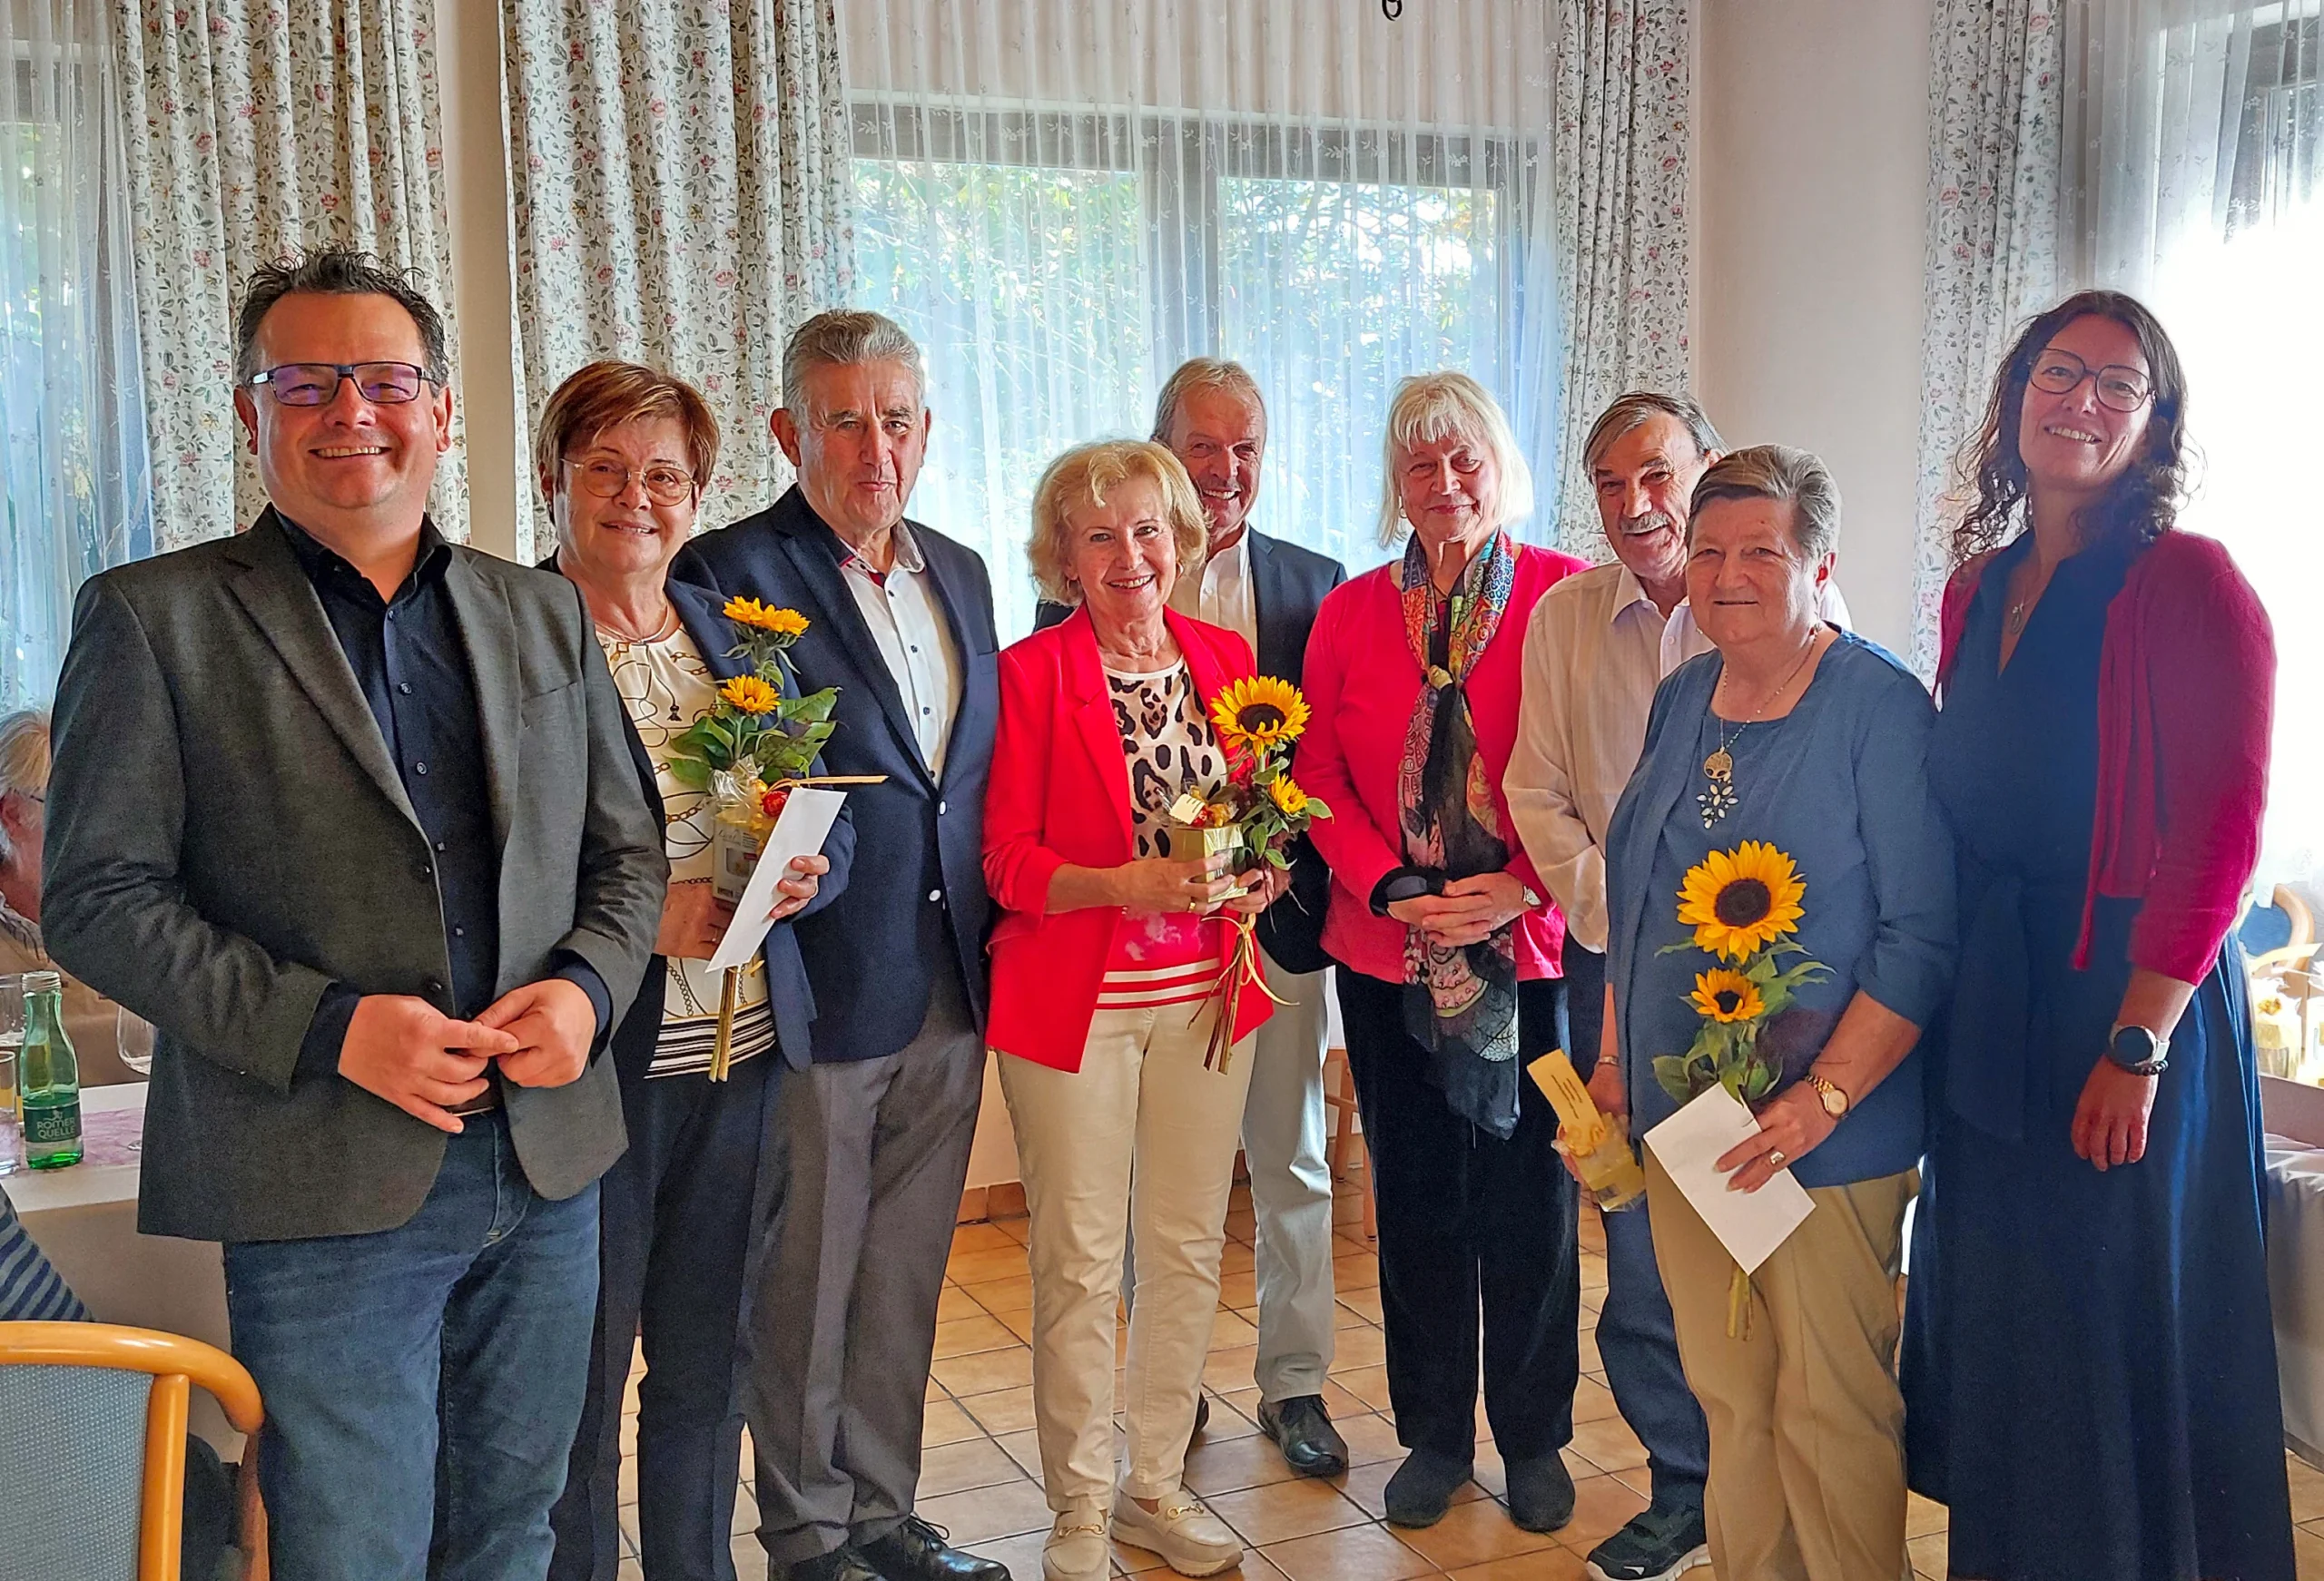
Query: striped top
x=1171 y=747
x=31 y=1290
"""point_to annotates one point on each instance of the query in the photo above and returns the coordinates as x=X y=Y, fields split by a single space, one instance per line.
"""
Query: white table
x=85 y=1218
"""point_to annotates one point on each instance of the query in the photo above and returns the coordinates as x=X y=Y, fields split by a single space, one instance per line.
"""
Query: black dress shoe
x=1540 y=1492
x=841 y=1564
x=1421 y=1490
x=916 y=1551
x=1302 y=1428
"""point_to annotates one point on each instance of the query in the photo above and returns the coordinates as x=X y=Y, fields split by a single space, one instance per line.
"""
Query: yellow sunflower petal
x=1741 y=901
x=1289 y=797
x=1725 y=996
x=749 y=694
x=1258 y=712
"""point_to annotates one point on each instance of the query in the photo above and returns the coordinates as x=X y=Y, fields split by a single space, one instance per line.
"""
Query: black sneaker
x=1663 y=1543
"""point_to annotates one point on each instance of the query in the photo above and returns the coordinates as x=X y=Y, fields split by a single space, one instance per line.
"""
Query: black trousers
x=675 y=1233
x=1469 y=1224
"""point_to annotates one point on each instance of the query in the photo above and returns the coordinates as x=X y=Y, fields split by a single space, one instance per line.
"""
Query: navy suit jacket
x=1287 y=585
x=788 y=993
x=922 y=906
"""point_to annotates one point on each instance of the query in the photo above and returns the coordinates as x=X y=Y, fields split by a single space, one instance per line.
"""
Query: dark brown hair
x=337 y=271
x=2143 y=503
x=605 y=394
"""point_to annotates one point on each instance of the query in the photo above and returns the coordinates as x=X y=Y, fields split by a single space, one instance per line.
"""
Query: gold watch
x=1834 y=1102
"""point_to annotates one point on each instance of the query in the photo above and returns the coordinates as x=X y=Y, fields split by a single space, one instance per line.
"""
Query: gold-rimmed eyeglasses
x=607 y=479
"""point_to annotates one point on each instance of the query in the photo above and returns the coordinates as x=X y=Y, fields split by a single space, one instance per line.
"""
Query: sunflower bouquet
x=1744 y=906
x=1254 y=815
x=748 y=751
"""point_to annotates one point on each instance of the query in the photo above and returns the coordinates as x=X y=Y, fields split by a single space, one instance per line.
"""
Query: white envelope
x=1688 y=1145
x=806 y=819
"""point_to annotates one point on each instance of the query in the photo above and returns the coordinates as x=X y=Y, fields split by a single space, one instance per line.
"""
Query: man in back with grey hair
x=1210 y=417
x=868 y=1142
x=1598 y=646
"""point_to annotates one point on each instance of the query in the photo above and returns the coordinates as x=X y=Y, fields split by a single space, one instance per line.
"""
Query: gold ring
x=1774 y=1156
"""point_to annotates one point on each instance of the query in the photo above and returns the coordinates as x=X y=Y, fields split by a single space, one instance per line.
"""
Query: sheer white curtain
x=69 y=393
x=1062 y=200
x=2195 y=141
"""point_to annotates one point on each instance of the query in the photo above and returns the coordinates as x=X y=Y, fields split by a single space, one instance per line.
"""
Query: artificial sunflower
x=749 y=694
x=1288 y=795
x=1725 y=996
x=1259 y=713
x=750 y=612
x=1741 y=901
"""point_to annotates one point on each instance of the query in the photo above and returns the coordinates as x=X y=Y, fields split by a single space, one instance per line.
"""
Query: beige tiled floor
x=981 y=1473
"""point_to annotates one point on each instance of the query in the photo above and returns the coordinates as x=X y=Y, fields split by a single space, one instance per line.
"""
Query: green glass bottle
x=48 y=1081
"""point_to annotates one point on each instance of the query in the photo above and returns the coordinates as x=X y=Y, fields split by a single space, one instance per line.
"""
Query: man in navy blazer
x=1210 y=417
x=870 y=1145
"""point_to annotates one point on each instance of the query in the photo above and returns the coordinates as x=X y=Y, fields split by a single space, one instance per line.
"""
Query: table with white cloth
x=85 y=1217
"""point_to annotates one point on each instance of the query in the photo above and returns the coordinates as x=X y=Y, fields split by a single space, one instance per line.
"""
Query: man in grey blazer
x=345 y=811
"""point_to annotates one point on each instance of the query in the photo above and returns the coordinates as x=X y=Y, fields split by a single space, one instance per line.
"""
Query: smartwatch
x=2140 y=1050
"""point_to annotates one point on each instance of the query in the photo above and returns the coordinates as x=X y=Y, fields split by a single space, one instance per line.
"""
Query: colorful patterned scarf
x=1460 y=1001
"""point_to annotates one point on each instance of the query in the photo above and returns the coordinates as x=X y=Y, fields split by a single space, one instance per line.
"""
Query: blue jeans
x=1636 y=1339
x=466 y=1327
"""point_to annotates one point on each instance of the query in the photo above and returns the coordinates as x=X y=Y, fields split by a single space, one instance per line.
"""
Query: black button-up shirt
x=408 y=658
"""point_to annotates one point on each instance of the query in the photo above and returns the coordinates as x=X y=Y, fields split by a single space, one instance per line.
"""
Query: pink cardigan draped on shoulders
x=2186 y=695
x=1361 y=682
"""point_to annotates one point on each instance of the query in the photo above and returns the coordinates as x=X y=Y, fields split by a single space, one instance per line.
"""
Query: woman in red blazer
x=1448 y=952
x=1106 y=968
x=2088 y=1364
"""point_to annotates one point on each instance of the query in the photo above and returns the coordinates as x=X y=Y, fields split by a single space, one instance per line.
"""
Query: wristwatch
x=1834 y=1102
x=1533 y=902
x=2140 y=1050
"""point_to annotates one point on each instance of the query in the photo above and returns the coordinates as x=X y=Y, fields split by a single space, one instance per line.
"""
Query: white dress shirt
x=1595 y=650
x=1221 y=594
x=906 y=620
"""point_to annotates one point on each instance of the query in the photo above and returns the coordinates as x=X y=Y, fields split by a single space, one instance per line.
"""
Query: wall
x=1812 y=162
x=476 y=191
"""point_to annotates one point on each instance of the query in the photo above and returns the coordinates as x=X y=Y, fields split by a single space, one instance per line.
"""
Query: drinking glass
x=134 y=1035
x=12 y=1041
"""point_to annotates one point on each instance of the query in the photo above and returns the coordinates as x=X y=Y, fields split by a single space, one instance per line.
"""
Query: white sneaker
x=1077 y=1550
x=1191 y=1540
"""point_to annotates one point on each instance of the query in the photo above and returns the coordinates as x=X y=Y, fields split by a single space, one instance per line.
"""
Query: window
x=1056 y=267
x=75 y=457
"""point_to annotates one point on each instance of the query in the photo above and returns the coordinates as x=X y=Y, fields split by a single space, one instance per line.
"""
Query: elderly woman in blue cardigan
x=1784 y=788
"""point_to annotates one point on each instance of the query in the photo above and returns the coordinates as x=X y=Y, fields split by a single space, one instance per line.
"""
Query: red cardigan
x=1060 y=793
x=1361 y=682
x=2186 y=689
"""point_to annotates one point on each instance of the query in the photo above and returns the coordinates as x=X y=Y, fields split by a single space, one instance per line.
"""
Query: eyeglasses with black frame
x=316 y=383
x=609 y=480
x=2120 y=388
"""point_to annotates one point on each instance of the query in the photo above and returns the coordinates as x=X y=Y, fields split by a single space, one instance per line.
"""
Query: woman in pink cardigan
x=2089 y=1366
x=1447 y=955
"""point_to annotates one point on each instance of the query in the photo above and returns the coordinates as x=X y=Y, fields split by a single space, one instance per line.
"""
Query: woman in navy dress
x=2089 y=1366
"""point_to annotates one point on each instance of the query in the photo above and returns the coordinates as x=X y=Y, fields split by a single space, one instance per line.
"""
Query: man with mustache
x=1598 y=645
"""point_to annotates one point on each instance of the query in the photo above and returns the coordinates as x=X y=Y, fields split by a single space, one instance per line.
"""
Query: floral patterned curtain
x=1624 y=86
x=680 y=176
x=1996 y=101
x=254 y=129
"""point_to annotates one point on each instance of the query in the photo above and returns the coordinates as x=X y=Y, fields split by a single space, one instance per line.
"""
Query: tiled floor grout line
x=1249 y=1487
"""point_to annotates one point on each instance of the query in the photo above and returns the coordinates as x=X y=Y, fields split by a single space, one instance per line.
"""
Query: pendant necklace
x=1718 y=768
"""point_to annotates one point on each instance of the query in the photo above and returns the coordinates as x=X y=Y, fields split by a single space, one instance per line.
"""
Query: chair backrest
x=93 y=1465
x=73 y=1463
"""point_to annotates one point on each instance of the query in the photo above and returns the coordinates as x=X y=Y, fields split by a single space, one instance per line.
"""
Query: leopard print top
x=1169 y=742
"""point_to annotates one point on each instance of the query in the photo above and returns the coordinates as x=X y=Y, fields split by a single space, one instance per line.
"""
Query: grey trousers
x=1285 y=1143
x=867 y=1159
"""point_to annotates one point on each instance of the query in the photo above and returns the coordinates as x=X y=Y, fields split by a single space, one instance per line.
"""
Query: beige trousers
x=1806 y=1423
x=1140 y=1133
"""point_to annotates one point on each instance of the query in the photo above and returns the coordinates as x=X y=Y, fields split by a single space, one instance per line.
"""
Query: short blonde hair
x=23 y=761
x=605 y=394
x=1085 y=474
x=1438 y=406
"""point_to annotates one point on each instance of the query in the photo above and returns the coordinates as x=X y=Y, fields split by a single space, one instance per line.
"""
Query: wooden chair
x=96 y=1426
x=1339 y=1104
